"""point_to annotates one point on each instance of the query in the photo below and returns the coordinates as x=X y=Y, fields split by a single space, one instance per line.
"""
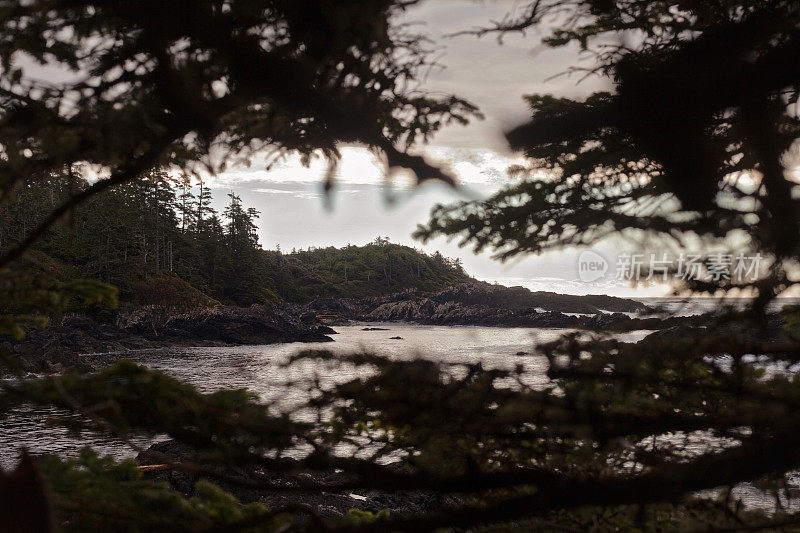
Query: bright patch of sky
x=295 y=212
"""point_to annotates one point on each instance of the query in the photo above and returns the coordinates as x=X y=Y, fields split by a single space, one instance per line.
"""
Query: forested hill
x=160 y=242
x=375 y=269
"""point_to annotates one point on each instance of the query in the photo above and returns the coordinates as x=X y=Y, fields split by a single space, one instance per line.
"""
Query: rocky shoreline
x=61 y=345
x=484 y=304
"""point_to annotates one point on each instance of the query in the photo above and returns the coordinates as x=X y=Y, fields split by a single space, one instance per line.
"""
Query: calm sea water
x=262 y=370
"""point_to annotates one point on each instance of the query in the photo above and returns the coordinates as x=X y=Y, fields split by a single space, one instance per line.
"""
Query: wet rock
x=484 y=304
x=61 y=345
x=603 y=321
x=480 y=303
x=256 y=324
x=520 y=298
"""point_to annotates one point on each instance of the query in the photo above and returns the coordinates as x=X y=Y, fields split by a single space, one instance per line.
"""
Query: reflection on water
x=261 y=370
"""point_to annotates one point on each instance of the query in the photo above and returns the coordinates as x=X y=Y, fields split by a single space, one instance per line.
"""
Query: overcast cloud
x=295 y=213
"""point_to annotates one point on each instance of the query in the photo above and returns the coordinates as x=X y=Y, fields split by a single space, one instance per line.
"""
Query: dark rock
x=179 y=480
x=396 y=338
x=374 y=329
x=326 y=504
x=522 y=353
x=520 y=298
x=670 y=334
x=480 y=303
x=484 y=304
x=689 y=333
x=620 y=322
x=59 y=346
x=607 y=321
x=256 y=324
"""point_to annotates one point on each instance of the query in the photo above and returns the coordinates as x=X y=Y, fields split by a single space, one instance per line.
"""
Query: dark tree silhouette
x=129 y=85
x=652 y=435
x=705 y=92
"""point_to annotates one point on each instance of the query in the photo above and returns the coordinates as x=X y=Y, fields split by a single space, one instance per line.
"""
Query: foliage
x=169 y=292
x=691 y=143
x=131 y=235
x=148 y=83
x=121 y=499
x=690 y=149
x=158 y=250
x=374 y=269
x=36 y=288
x=623 y=436
x=137 y=399
x=609 y=433
x=138 y=86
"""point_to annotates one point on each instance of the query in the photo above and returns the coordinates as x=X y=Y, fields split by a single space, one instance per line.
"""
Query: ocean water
x=263 y=370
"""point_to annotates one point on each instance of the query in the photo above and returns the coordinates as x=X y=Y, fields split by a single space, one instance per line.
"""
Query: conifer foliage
x=158 y=232
x=659 y=435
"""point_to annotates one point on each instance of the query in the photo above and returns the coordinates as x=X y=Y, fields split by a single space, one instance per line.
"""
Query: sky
x=296 y=214
x=491 y=74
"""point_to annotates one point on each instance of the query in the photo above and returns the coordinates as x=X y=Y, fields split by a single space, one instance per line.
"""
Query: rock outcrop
x=485 y=304
x=257 y=324
x=58 y=346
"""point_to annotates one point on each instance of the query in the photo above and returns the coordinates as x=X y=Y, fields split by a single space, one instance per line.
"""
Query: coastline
x=61 y=346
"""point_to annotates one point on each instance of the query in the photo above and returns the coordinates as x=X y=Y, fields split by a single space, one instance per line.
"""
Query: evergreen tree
x=185 y=202
x=610 y=441
x=203 y=207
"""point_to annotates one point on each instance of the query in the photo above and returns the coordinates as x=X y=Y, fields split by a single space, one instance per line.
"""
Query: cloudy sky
x=295 y=214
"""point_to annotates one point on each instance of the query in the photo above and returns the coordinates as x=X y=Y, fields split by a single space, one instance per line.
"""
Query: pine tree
x=609 y=442
x=185 y=198
x=203 y=207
